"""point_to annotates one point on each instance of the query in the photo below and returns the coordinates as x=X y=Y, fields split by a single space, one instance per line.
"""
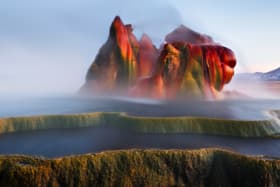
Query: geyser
x=187 y=64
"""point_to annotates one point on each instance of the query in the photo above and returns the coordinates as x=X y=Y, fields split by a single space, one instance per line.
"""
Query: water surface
x=62 y=142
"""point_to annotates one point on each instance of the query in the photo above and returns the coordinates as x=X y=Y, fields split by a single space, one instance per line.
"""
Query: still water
x=61 y=142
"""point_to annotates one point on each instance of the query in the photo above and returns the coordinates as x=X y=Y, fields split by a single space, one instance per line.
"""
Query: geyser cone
x=185 y=34
x=190 y=70
x=147 y=56
x=188 y=65
x=115 y=64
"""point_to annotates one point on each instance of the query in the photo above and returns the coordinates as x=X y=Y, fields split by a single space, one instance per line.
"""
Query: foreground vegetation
x=205 y=167
x=143 y=124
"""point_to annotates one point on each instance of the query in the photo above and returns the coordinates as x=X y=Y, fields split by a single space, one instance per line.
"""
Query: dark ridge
x=205 y=167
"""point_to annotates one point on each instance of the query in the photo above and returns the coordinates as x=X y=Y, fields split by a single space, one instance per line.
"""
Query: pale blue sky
x=47 y=46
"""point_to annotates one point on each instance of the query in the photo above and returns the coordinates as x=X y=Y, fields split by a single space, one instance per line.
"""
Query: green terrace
x=201 y=125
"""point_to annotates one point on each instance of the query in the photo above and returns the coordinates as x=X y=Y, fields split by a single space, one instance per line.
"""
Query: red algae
x=189 y=64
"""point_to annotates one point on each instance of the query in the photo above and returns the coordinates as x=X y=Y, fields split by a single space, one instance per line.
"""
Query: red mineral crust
x=184 y=34
x=147 y=57
x=114 y=67
x=188 y=65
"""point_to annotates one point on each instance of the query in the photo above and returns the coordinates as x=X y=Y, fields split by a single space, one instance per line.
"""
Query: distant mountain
x=273 y=75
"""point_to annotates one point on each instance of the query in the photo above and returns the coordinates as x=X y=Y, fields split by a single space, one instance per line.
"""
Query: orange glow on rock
x=147 y=57
x=189 y=64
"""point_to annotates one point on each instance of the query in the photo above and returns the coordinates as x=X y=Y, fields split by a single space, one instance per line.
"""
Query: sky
x=47 y=46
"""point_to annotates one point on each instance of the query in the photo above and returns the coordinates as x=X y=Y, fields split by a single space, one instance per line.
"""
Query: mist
x=47 y=47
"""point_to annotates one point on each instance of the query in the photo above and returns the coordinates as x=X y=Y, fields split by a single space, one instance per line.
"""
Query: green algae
x=204 y=167
x=262 y=128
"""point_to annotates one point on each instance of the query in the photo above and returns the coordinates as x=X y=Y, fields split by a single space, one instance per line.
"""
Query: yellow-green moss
x=205 y=167
x=143 y=124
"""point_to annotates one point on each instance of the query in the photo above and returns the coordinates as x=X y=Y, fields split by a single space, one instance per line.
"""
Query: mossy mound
x=205 y=167
x=264 y=128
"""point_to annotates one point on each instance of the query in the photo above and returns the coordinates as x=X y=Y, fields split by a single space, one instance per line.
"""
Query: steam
x=275 y=118
x=247 y=86
x=47 y=49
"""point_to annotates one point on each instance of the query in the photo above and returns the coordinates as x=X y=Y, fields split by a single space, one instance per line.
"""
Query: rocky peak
x=185 y=34
x=189 y=64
